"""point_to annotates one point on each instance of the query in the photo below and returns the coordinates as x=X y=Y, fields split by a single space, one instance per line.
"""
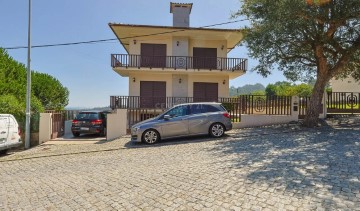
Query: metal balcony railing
x=179 y=62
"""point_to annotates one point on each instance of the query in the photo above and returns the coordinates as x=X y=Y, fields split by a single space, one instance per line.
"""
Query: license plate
x=84 y=128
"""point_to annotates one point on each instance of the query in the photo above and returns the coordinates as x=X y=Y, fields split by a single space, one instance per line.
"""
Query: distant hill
x=246 y=89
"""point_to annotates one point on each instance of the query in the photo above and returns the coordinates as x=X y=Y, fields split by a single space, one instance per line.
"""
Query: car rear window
x=87 y=115
x=211 y=108
x=203 y=108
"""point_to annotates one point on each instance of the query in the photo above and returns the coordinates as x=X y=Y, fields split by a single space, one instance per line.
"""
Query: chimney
x=181 y=14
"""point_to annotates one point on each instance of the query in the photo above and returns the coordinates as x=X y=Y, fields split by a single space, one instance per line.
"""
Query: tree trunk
x=314 y=106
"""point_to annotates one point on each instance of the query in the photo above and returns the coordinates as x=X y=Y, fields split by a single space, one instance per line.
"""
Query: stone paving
x=282 y=167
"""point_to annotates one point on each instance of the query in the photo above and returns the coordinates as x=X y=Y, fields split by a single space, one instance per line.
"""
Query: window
x=202 y=108
x=81 y=116
x=211 y=108
x=152 y=94
x=178 y=111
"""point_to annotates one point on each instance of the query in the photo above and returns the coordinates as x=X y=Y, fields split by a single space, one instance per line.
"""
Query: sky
x=85 y=69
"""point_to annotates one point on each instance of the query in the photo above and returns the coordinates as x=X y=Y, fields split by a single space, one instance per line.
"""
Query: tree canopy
x=284 y=88
x=47 y=92
x=304 y=40
x=246 y=89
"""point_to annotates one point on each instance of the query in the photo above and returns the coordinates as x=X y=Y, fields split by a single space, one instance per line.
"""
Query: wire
x=113 y=39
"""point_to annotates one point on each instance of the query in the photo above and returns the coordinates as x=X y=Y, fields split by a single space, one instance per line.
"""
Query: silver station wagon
x=183 y=120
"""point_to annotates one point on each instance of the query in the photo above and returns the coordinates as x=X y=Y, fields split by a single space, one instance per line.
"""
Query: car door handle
x=3 y=132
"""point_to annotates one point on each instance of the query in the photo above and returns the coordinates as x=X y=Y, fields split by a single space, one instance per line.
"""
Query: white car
x=9 y=133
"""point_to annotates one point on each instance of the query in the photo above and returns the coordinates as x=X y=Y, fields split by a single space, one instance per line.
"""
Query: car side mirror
x=167 y=117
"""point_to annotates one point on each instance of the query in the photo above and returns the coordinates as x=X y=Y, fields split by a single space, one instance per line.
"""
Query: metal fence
x=343 y=102
x=142 y=108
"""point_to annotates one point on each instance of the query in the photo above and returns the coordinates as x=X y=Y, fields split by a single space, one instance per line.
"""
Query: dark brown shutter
x=205 y=58
x=152 y=94
x=153 y=55
x=205 y=92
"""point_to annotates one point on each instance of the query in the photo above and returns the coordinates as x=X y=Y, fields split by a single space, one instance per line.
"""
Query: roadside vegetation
x=280 y=88
x=47 y=92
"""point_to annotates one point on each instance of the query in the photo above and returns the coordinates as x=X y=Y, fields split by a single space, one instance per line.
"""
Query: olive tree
x=304 y=39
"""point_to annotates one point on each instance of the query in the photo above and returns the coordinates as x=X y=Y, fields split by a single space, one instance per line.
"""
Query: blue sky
x=85 y=69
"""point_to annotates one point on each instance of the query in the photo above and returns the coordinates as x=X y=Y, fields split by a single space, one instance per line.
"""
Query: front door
x=205 y=58
x=205 y=92
x=153 y=55
x=177 y=125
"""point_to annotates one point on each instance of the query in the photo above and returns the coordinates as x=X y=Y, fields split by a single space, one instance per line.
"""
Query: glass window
x=197 y=109
x=87 y=115
x=178 y=111
x=211 y=108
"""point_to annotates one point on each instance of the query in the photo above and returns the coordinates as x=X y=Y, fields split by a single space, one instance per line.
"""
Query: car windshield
x=87 y=115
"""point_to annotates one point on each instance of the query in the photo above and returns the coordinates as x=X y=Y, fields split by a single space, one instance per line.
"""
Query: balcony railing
x=244 y=104
x=178 y=62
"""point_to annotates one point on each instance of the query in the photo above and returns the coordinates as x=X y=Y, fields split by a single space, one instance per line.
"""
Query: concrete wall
x=45 y=127
x=264 y=120
x=181 y=16
x=116 y=124
x=180 y=85
x=348 y=84
x=67 y=129
x=180 y=46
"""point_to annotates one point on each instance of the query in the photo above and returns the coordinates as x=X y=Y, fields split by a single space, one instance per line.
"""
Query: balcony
x=178 y=62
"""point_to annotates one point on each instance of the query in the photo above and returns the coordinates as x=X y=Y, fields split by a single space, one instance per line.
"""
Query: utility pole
x=28 y=85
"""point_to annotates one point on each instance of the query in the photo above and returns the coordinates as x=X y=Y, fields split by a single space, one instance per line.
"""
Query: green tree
x=304 y=41
x=52 y=94
x=47 y=92
x=270 y=89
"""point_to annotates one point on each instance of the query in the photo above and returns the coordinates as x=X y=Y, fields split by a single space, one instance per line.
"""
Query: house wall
x=136 y=48
x=223 y=89
x=173 y=87
x=348 y=84
x=181 y=49
x=180 y=89
x=185 y=47
x=134 y=87
x=199 y=43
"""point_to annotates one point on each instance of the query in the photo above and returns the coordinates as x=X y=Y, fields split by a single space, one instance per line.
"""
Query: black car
x=89 y=122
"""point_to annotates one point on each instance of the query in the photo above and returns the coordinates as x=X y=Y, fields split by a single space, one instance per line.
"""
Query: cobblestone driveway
x=275 y=168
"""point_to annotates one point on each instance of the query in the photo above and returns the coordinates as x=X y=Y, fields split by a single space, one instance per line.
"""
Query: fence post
x=295 y=107
x=116 y=124
x=45 y=128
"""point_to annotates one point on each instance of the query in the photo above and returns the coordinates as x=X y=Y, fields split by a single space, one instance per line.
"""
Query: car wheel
x=216 y=130
x=76 y=134
x=4 y=152
x=150 y=136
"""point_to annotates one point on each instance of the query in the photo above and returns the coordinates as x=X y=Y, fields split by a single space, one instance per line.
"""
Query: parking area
x=271 y=168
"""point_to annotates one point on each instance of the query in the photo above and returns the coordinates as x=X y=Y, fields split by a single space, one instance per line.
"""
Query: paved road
x=271 y=168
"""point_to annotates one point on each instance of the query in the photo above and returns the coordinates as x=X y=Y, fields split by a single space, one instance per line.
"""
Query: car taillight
x=75 y=122
x=96 y=122
x=19 y=131
x=227 y=115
